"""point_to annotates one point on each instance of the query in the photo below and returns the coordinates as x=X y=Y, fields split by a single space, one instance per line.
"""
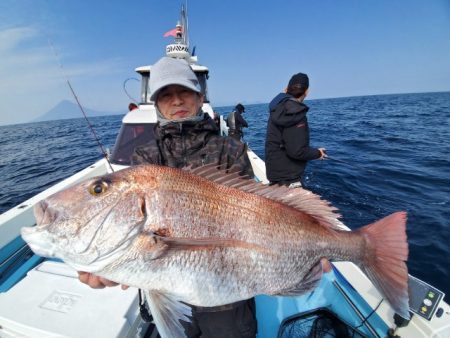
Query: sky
x=347 y=47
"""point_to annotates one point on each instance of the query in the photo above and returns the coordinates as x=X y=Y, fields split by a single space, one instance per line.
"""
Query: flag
x=174 y=32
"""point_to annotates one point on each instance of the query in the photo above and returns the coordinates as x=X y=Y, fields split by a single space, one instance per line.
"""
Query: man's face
x=176 y=102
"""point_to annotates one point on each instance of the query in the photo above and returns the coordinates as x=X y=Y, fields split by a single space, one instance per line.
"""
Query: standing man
x=186 y=136
x=236 y=122
x=287 y=138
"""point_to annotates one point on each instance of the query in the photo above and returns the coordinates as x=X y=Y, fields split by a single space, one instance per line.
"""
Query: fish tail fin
x=385 y=257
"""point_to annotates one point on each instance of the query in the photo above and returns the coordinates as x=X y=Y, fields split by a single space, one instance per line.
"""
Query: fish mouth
x=38 y=241
x=37 y=237
x=87 y=258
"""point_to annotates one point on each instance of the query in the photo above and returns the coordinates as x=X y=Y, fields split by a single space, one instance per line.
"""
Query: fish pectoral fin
x=179 y=243
x=167 y=313
x=307 y=284
x=157 y=247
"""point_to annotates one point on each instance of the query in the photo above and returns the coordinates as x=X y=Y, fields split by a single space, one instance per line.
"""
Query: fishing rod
x=327 y=157
x=350 y=164
x=102 y=149
x=336 y=160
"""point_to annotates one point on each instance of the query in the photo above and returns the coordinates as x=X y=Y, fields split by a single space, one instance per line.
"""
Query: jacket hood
x=285 y=111
x=277 y=99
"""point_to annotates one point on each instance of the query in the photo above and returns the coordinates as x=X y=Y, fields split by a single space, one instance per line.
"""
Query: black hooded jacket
x=287 y=140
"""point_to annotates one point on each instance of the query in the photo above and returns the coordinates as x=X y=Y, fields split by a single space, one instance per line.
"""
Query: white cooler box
x=51 y=302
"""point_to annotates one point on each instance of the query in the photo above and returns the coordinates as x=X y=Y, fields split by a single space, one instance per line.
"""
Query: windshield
x=131 y=136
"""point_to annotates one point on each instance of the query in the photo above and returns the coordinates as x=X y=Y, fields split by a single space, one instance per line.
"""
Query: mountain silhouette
x=69 y=110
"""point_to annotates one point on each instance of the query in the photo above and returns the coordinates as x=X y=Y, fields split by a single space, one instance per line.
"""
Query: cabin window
x=202 y=77
x=145 y=92
x=131 y=136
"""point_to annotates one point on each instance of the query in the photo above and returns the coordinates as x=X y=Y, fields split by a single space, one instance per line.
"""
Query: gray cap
x=169 y=71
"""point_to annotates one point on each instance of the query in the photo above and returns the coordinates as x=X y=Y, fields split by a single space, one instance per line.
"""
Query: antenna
x=187 y=25
x=184 y=24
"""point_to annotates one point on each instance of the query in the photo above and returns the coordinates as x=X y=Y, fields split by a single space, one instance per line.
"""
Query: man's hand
x=323 y=153
x=326 y=265
x=97 y=282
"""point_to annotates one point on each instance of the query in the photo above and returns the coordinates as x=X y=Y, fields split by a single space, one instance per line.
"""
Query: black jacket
x=287 y=140
x=192 y=144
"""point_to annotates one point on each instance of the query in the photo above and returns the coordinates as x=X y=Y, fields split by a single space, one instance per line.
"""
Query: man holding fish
x=186 y=136
x=205 y=236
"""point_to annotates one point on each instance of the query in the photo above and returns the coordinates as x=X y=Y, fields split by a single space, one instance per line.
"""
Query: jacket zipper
x=183 y=142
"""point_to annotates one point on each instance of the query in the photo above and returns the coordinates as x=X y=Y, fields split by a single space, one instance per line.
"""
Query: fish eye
x=98 y=188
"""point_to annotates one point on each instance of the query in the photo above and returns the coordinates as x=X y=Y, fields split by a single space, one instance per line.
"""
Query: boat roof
x=195 y=68
x=144 y=114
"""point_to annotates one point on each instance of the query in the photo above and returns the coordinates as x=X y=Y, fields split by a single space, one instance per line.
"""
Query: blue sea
x=387 y=153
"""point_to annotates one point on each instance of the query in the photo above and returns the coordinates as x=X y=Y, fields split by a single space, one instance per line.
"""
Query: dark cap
x=299 y=80
x=240 y=108
x=132 y=106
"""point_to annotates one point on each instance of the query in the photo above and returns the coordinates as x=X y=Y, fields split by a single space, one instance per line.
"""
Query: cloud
x=10 y=38
x=31 y=78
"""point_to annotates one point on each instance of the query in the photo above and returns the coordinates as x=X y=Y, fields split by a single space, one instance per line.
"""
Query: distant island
x=70 y=110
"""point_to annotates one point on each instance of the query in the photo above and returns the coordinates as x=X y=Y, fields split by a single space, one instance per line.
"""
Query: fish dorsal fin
x=298 y=198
